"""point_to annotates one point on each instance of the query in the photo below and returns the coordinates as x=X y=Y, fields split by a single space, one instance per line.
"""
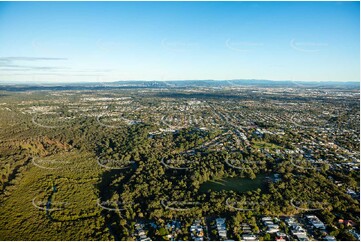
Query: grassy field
x=236 y=184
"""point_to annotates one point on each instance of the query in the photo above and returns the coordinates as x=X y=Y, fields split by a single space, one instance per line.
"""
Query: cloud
x=53 y=74
x=12 y=67
x=54 y=69
x=11 y=63
x=23 y=58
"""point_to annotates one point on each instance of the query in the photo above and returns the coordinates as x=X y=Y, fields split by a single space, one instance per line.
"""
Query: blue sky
x=110 y=41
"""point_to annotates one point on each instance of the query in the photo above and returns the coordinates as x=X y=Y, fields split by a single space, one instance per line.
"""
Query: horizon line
x=171 y=80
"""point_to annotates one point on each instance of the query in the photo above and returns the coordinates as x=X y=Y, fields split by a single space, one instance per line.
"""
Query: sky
x=112 y=41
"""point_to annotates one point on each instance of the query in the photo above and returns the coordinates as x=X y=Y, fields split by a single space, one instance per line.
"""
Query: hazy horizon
x=165 y=81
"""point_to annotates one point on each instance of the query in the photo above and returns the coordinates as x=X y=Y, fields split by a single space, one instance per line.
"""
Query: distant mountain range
x=8 y=86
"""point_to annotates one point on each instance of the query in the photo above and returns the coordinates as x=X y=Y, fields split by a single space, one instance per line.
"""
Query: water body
x=236 y=184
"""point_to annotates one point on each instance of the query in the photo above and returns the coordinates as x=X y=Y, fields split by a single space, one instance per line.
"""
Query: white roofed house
x=315 y=221
x=299 y=232
x=197 y=230
x=271 y=227
x=249 y=237
x=221 y=228
x=329 y=238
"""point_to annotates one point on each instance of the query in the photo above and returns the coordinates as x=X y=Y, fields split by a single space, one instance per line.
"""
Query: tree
x=267 y=237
